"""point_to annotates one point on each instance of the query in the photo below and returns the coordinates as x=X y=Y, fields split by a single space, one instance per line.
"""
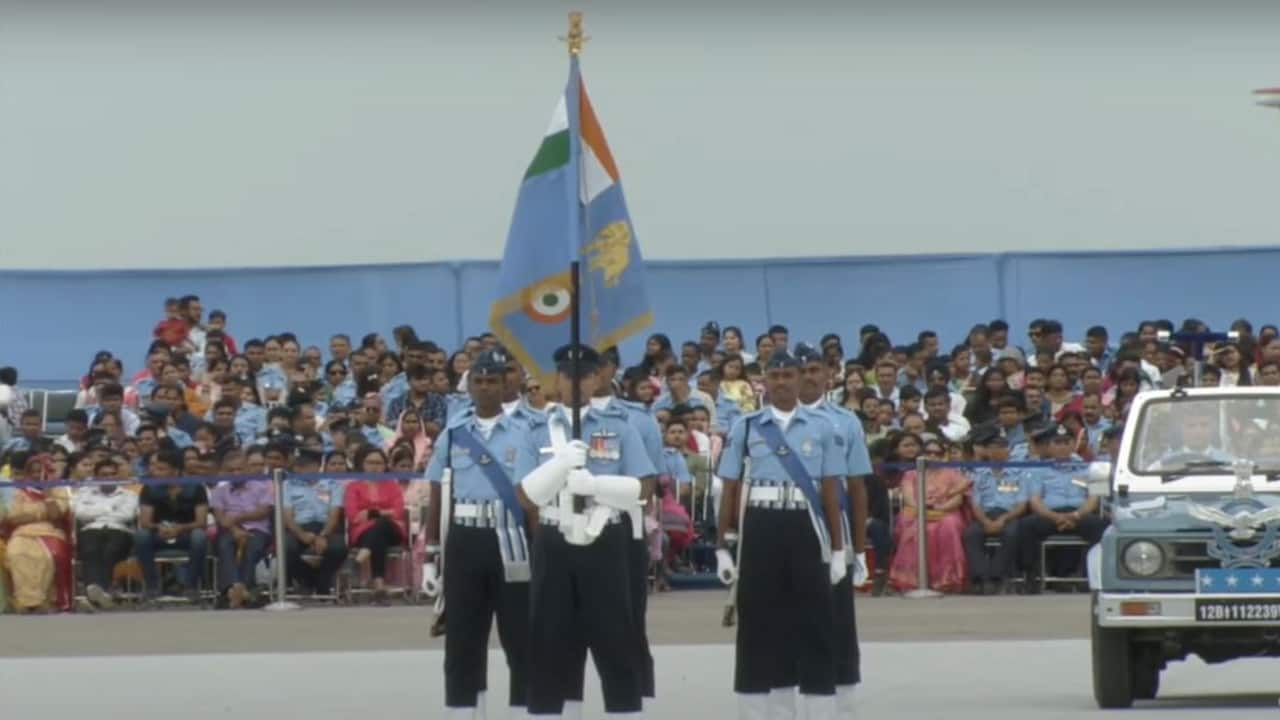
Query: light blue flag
x=570 y=206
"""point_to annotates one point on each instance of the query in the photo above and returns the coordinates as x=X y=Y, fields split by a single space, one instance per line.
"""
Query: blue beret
x=490 y=362
x=582 y=357
x=806 y=353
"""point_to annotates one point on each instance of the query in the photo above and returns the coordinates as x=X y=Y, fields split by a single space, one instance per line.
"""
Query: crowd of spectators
x=208 y=406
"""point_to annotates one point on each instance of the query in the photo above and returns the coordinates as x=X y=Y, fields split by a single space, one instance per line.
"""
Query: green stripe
x=553 y=153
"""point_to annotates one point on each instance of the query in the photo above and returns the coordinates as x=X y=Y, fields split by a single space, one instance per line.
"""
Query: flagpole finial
x=576 y=38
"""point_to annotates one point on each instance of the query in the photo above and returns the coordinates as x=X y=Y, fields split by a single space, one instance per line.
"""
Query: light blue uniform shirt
x=1003 y=492
x=251 y=421
x=311 y=500
x=396 y=387
x=1056 y=487
x=645 y=424
x=510 y=446
x=674 y=465
x=345 y=393
x=727 y=413
x=666 y=402
x=1094 y=433
x=179 y=437
x=810 y=435
x=272 y=377
x=614 y=447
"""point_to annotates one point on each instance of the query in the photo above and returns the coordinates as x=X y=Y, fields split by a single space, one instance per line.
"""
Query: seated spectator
x=371 y=421
x=242 y=510
x=999 y=498
x=17 y=399
x=409 y=431
x=421 y=400
x=734 y=385
x=940 y=418
x=77 y=433
x=171 y=516
x=111 y=423
x=375 y=517
x=946 y=496
x=1058 y=506
x=675 y=490
x=315 y=547
x=30 y=438
x=38 y=554
x=106 y=514
x=59 y=461
x=111 y=401
x=1058 y=389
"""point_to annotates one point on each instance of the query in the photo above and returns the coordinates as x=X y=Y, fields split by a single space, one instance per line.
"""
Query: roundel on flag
x=549 y=302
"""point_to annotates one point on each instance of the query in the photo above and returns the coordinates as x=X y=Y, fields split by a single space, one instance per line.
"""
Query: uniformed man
x=513 y=400
x=1192 y=436
x=315 y=546
x=604 y=400
x=999 y=498
x=850 y=441
x=486 y=556
x=584 y=552
x=789 y=559
x=646 y=426
x=1060 y=504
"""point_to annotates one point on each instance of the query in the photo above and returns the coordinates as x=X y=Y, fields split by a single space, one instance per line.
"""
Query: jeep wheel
x=1146 y=680
x=1113 y=669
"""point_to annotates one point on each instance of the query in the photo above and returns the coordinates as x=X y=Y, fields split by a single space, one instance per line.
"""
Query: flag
x=570 y=207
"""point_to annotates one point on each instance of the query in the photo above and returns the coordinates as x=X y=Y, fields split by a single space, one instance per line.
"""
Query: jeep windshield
x=1191 y=435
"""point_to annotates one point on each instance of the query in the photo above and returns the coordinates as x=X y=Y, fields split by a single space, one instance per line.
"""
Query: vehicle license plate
x=1238 y=609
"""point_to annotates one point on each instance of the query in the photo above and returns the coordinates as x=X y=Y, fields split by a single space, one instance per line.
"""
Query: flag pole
x=575 y=40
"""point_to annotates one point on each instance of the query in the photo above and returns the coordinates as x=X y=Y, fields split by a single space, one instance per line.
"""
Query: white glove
x=582 y=482
x=430 y=580
x=838 y=568
x=546 y=480
x=572 y=455
x=860 y=574
x=724 y=567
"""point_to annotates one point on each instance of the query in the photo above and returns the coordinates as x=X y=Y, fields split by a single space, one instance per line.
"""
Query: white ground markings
x=953 y=680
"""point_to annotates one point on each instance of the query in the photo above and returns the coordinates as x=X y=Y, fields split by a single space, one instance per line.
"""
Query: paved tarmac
x=957 y=658
x=676 y=618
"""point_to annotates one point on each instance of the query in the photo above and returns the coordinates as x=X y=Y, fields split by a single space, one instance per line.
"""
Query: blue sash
x=492 y=469
x=796 y=469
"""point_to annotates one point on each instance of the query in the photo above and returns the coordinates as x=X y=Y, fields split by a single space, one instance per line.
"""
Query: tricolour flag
x=570 y=207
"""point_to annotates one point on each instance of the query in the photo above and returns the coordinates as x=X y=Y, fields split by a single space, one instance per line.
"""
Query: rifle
x=446 y=506
x=731 y=606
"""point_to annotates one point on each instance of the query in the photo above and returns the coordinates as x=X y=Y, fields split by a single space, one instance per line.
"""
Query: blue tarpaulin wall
x=52 y=322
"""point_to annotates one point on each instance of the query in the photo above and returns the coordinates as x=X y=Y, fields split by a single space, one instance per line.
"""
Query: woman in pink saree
x=945 y=493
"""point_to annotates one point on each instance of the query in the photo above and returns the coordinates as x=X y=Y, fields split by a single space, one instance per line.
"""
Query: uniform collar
x=801 y=413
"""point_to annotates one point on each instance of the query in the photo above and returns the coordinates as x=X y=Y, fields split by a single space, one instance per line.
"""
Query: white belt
x=786 y=494
x=478 y=513
x=469 y=511
x=552 y=515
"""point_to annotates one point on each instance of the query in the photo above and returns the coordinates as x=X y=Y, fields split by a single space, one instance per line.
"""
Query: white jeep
x=1191 y=561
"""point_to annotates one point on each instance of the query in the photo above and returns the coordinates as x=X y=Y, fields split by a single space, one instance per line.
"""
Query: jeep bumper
x=1187 y=610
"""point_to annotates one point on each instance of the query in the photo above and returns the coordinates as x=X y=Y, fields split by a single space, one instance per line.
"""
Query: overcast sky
x=275 y=135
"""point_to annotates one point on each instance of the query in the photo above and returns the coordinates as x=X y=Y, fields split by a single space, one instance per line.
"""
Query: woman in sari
x=37 y=556
x=945 y=493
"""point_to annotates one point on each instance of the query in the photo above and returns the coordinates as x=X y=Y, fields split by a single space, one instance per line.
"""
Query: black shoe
x=1030 y=584
x=879 y=584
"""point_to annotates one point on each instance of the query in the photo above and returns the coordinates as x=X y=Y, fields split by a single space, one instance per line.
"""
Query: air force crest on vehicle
x=1242 y=525
x=1233 y=524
